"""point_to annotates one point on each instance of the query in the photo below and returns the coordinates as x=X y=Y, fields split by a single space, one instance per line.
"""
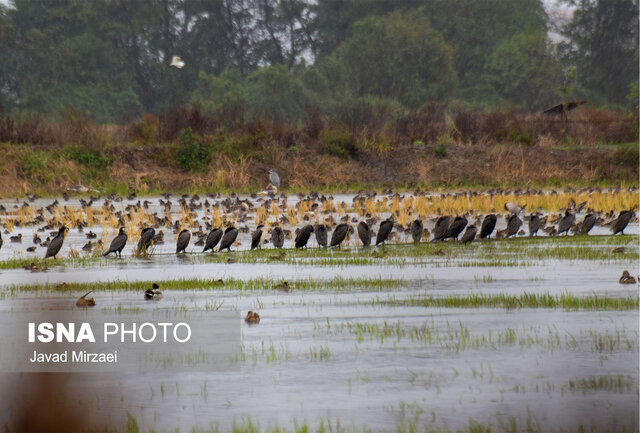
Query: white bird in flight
x=177 y=62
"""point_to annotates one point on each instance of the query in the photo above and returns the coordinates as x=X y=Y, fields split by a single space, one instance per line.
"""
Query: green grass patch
x=526 y=300
x=487 y=253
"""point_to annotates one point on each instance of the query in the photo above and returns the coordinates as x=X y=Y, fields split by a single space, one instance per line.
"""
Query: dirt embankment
x=127 y=168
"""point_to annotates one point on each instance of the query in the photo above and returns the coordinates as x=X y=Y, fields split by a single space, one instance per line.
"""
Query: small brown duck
x=252 y=318
x=626 y=278
x=35 y=268
x=83 y=301
x=284 y=286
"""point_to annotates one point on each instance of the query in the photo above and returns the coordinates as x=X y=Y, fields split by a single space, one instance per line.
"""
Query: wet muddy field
x=519 y=334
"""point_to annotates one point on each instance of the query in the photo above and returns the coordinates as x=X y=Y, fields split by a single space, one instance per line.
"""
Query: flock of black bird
x=445 y=227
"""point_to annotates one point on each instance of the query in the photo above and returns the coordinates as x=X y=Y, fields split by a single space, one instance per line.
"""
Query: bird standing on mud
x=146 y=238
x=118 y=243
x=229 y=237
x=587 y=223
x=416 y=230
x=258 y=237
x=384 y=231
x=213 y=238
x=440 y=228
x=274 y=178
x=56 y=243
x=513 y=224
x=321 y=235
x=339 y=234
x=364 y=233
x=277 y=237
x=183 y=241
x=302 y=237
x=488 y=225
x=456 y=227
x=566 y=223
x=621 y=222
x=534 y=224
x=469 y=234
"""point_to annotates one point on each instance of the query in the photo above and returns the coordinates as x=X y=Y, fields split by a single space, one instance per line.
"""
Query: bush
x=145 y=131
x=440 y=151
x=91 y=158
x=240 y=147
x=191 y=154
x=627 y=154
x=520 y=137
x=34 y=166
x=338 y=143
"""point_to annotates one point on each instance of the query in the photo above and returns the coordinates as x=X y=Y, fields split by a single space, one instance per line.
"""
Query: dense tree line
x=279 y=60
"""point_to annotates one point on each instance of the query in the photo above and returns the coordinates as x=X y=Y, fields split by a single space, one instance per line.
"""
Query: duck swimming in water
x=153 y=294
x=83 y=301
x=252 y=318
x=626 y=278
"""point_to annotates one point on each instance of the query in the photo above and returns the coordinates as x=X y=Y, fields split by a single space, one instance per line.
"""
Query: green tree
x=275 y=94
x=475 y=29
x=525 y=71
x=223 y=96
x=334 y=19
x=603 y=46
x=8 y=78
x=65 y=59
x=398 y=56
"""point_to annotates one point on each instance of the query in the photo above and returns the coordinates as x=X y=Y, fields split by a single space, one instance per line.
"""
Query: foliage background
x=281 y=60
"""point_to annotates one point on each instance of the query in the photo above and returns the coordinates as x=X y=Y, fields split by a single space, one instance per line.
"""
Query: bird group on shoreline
x=444 y=228
x=217 y=225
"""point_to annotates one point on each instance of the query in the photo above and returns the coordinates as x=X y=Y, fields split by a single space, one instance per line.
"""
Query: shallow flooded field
x=516 y=334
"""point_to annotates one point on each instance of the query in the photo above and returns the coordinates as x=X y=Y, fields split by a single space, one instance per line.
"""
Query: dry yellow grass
x=450 y=204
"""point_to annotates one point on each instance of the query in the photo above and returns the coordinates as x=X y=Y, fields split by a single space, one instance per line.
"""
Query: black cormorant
x=229 y=237
x=441 y=227
x=303 y=236
x=587 y=223
x=277 y=237
x=534 y=224
x=213 y=238
x=364 y=233
x=118 y=243
x=416 y=230
x=258 y=237
x=56 y=243
x=513 y=225
x=456 y=227
x=321 y=235
x=339 y=234
x=183 y=241
x=621 y=222
x=566 y=222
x=384 y=231
x=469 y=234
x=146 y=238
x=488 y=225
